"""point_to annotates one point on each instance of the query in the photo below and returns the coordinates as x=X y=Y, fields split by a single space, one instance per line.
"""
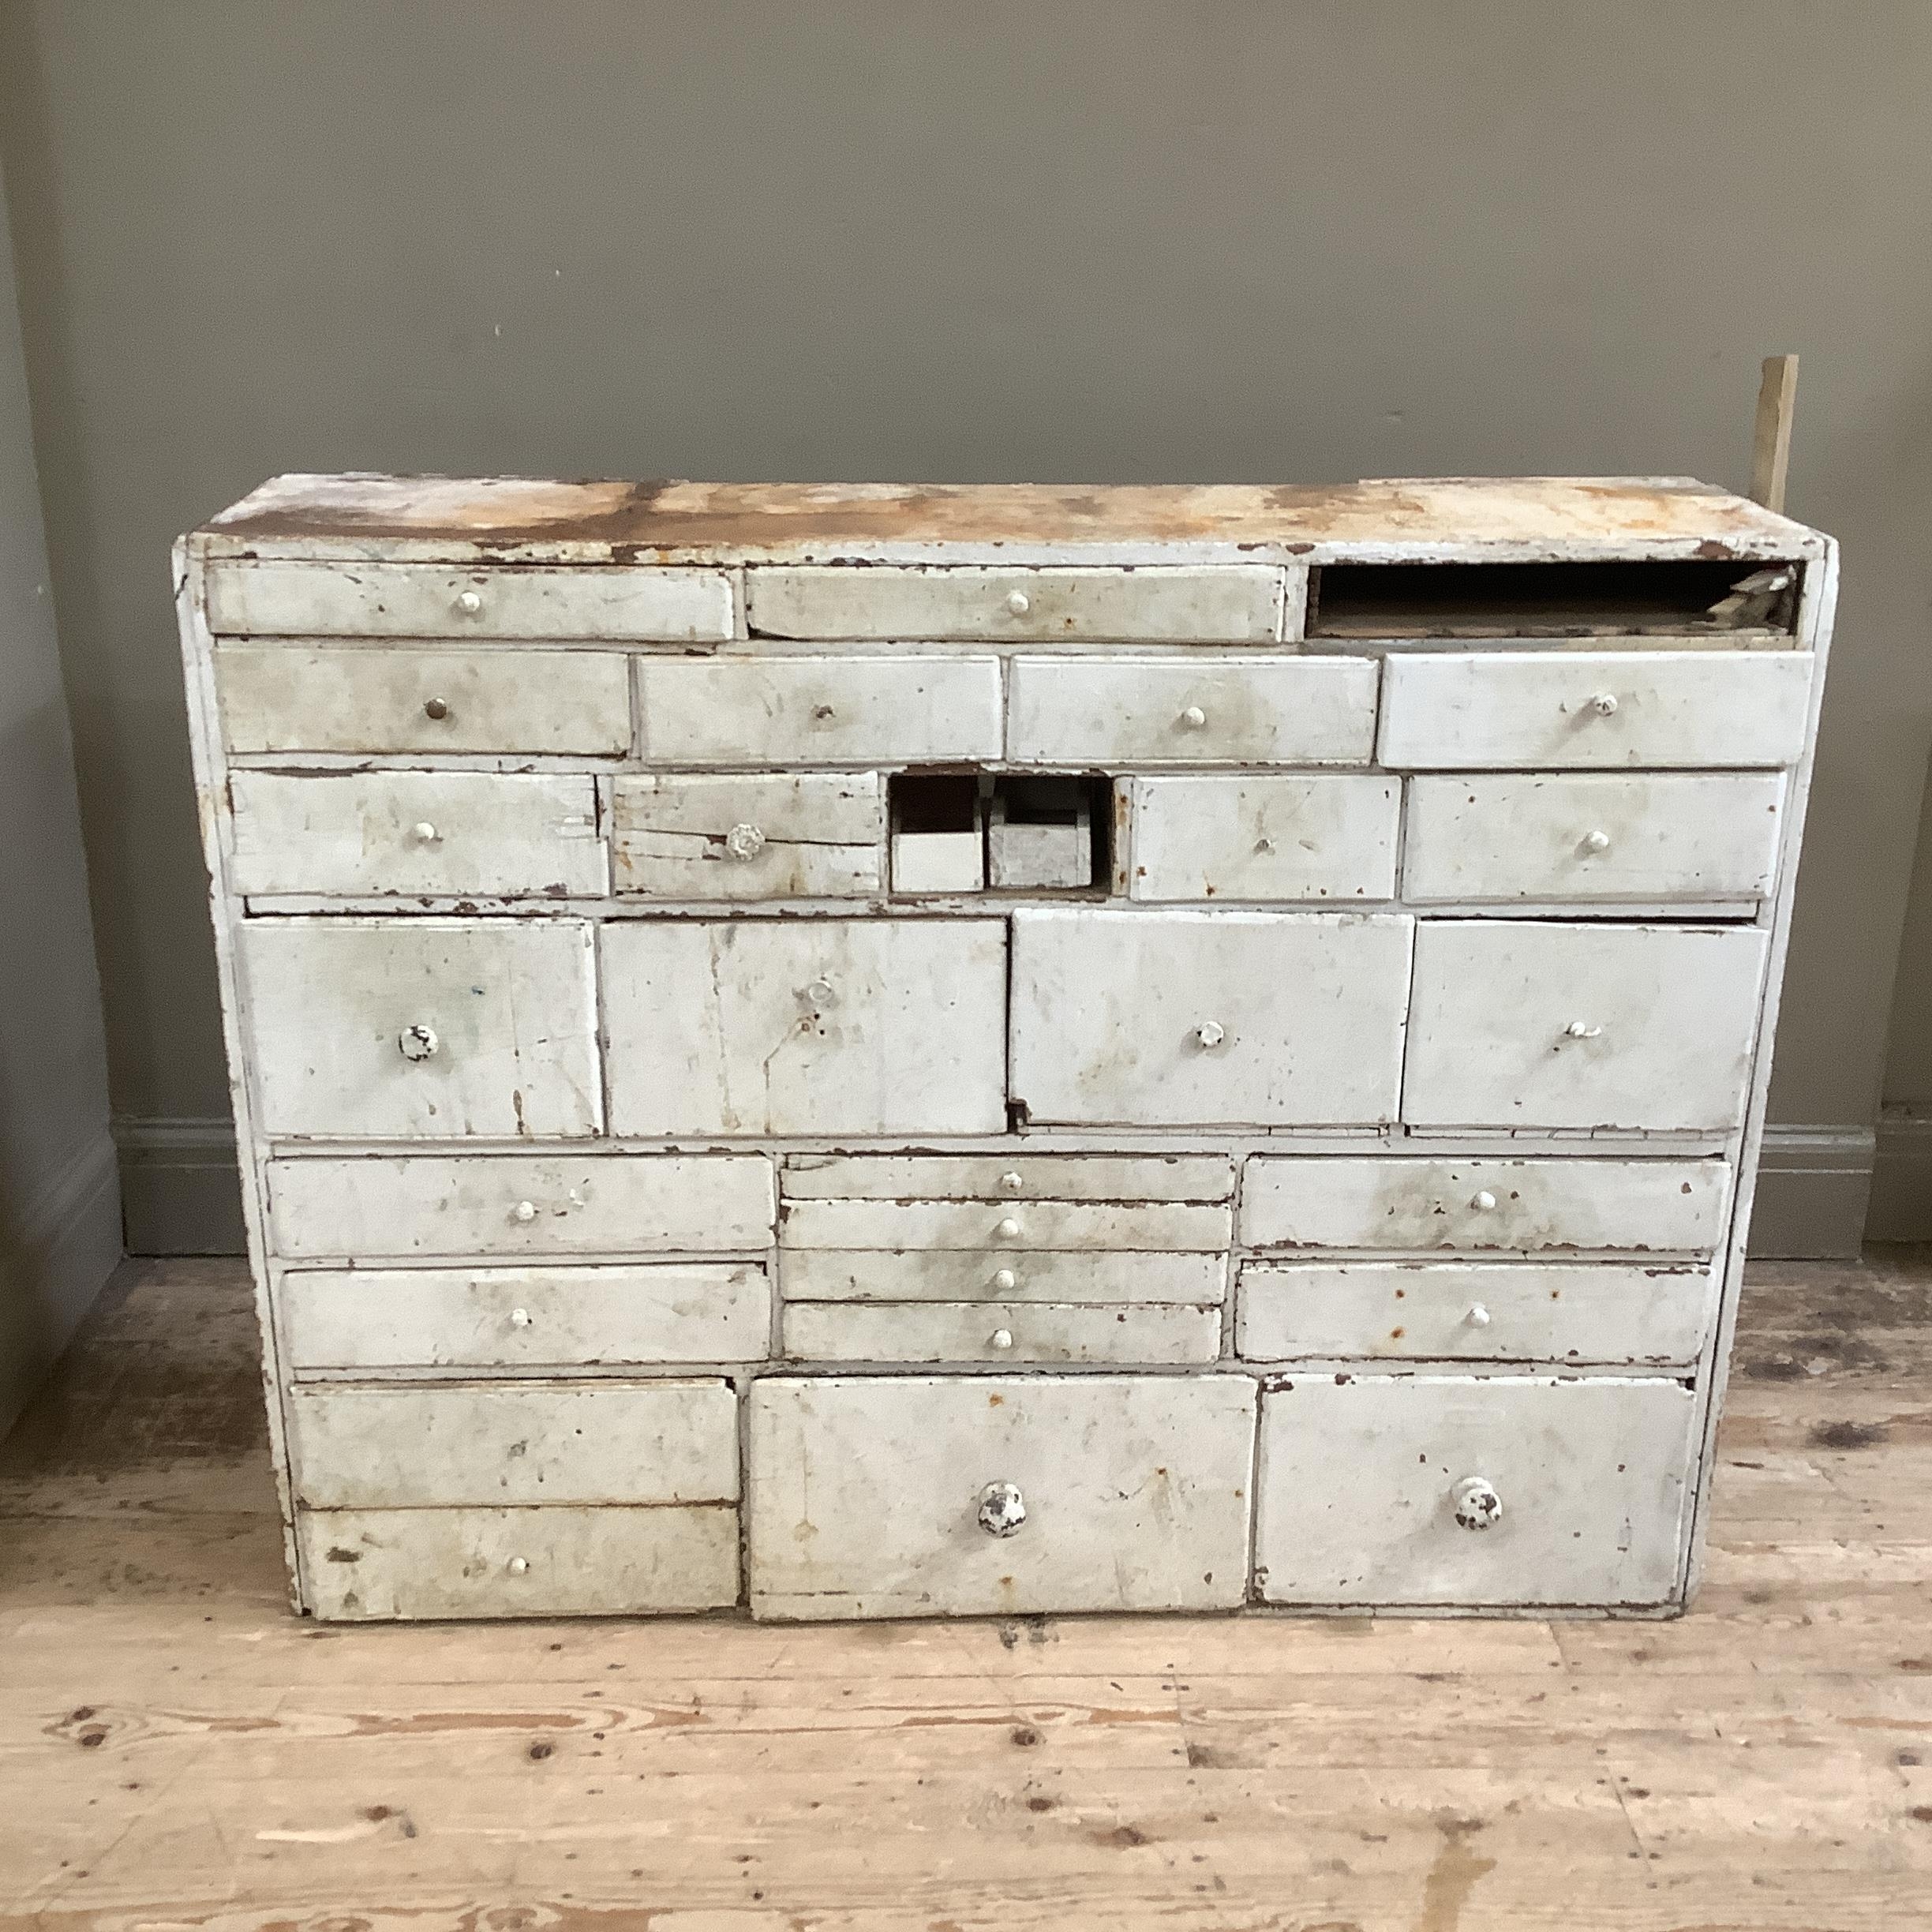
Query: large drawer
x=682 y=835
x=1018 y=1331
x=930 y=1496
x=1463 y=1491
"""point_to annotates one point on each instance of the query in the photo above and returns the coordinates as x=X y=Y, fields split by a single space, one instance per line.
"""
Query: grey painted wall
x=1105 y=239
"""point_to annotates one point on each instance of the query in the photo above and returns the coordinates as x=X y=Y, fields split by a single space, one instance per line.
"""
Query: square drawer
x=684 y=837
x=971 y=1274
x=1465 y=1491
x=1016 y=1331
x=933 y=1497
x=1127 y=1178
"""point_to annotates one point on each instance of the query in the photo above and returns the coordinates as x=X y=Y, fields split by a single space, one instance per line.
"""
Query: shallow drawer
x=1447 y=1311
x=517 y=1563
x=740 y=711
x=1004 y=1225
x=1230 y=603
x=298 y=697
x=524 y=1317
x=930 y=1496
x=812 y=837
x=1126 y=1177
x=1028 y=1274
x=1561 y=708
x=1192 y=710
x=1017 y=1331
x=518 y=1204
x=1660 y=837
x=429 y=1028
x=1657 y=1207
x=390 y=833
x=438 y=600
x=1520 y=1024
x=1283 y=838
x=1461 y=1491
x=806 y=1026
x=396 y=1446
x=1234 y=1018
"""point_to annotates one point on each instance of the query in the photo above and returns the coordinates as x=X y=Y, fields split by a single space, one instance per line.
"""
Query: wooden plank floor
x=176 y=1749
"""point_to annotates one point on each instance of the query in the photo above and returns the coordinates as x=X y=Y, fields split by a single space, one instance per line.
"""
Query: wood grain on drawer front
x=738 y=711
x=1517 y=1023
x=524 y=1317
x=296 y=697
x=1029 y=1274
x=1005 y=1225
x=517 y=1563
x=865 y=1493
x=1591 y=837
x=1194 y=710
x=1507 y=710
x=1361 y=1480
x=1129 y=1178
x=1017 y=1331
x=681 y=836
x=518 y=1204
x=389 y=833
x=429 y=1028
x=1393 y=1203
x=1229 y=604
x=437 y=601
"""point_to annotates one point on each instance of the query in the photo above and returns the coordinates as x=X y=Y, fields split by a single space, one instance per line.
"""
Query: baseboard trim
x=181 y=1188
x=1901 y=1197
x=1814 y=1188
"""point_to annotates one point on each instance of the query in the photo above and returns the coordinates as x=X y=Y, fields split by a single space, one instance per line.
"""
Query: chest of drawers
x=879 y=1051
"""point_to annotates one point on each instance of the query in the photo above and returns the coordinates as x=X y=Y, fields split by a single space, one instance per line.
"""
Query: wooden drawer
x=1587 y=838
x=1229 y=604
x=454 y=1444
x=1519 y=1024
x=1392 y=1204
x=976 y=1275
x=1126 y=1177
x=1377 y=1490
x=392 y=834
x=1194 y=710
x=682 y=836
x=295 y=696
x=837 y=711
x=439 y=600
x=429 y=1028
x=517 y=1563
x=867 y=1495
x=1234 y=1018
x=512 y=1205
x=1557 y=709
x=806 y=1026
x=1512 y=1312
x=524 y=1317
x=1004 y=1226
x=1016 y=1331
x=1330 y=837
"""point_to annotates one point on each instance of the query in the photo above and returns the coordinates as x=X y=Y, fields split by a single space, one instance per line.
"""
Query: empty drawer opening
x=964 y=832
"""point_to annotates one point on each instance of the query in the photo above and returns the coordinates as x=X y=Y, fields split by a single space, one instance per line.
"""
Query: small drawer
x=682 y=836
x=343 y=698
x=934 y=1496
x=1239 y=603
x=523 y=1317
x=977 y=1275
x=1004 y=1226
x=1512 y=1312
x=1563 y=709
x=359 y=1564
x=1467 y=1492
x=1392 y=1204
x=1192 y=710
x=392 y=833
x=1126 y=1177
x=1017 y=1331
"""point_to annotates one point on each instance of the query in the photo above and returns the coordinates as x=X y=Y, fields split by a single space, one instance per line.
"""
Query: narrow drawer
x=971 y=1275
x=1466 y=1491
x=439 y=600
x=1128 y=1177
x=1593 y=838
x=296 y=697
x=681 y=836
x=837 y=711
x=1226 y=603
x=931 y=1496
x=1510 y=1312
x=396 y=833
x=1560 y=710
x=523 y=1317
x=1017 y=1331
x=1192 y=710
x=1004 y=1226
x=1520 y=1024
x=431 y=1029
x=514 y=1205
x=1330 y=837
x=1525 y=1206
x=516 y=1563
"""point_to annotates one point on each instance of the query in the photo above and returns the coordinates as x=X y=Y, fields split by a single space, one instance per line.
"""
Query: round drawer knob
x=1596 y=841
x=1193 y=717
x=417 y=1042
x=1581 y=1029
x=518 y=1565
x=1018 y=602
x=820 y=994
x=1002 y=1508
x=1011 y=1183
x=1211 y=1033
x=471 y=602
x=524 y=1210
x=423 y=833
x=1482 y=1201
x=519 y=1318
x=1605 y=704
x=1009 y=1229
x=1478 y=1316
x=1477 y=1506
x=1005 y=1280
x=744 y=841
x=436 y=708
x=1001 y=1338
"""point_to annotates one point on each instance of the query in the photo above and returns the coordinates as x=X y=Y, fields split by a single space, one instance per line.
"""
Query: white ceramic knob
x=1009 y=1229
x=1605 y=704
x=1002 y=1509
x=1012 y=1183
x=1581 y=1029
x=821 y=995
x=519 y=1318
x=1477 y=1506
x=1018 y=602
x=1193 y=717
x=1005 y=1280
x=423 y=833
x=1478 y=1316
x=517 y=1565
x=1596 y=841
x=524 y=1210
x=1001 y=1338
x=744 y=841
x=471 y=602
x=417 y=1042
x=1482 y=1201
x=1211 y=1033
